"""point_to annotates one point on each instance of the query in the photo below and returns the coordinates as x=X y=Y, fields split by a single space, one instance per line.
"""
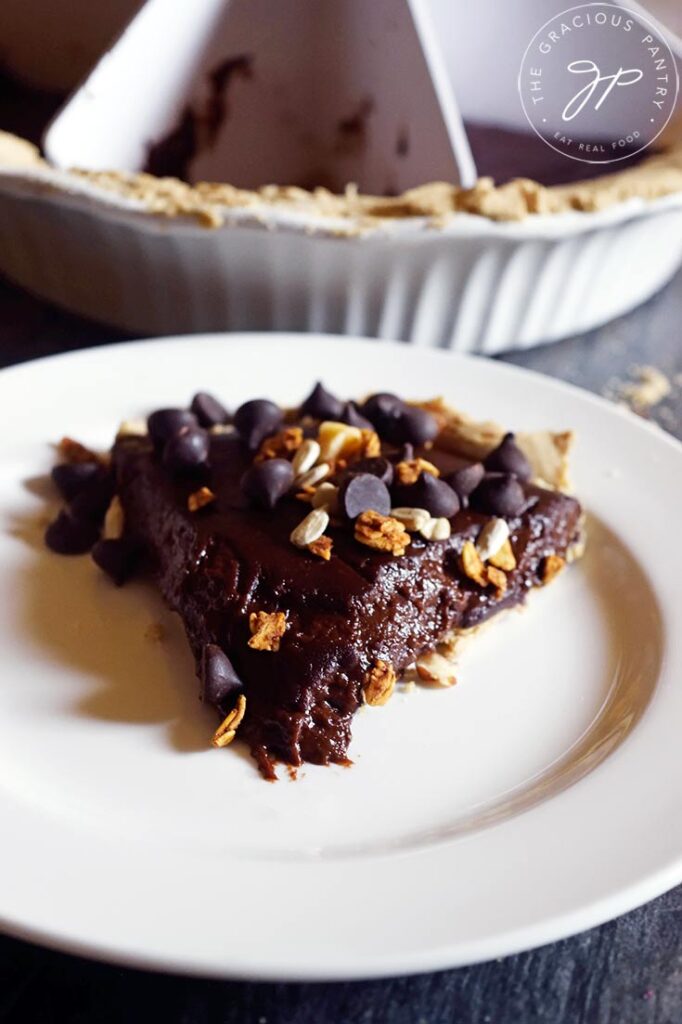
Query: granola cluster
x=267 y=629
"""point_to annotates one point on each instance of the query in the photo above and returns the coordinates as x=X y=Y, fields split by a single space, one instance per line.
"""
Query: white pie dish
x=471 y=286
x=538 y=797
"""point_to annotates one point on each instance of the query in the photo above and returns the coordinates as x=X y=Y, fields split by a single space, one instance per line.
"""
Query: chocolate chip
x=353 y=417
x=266 y=482
x=69 y=536
x=164 y=423
x=415 y=426
x=428 y=492
x=220 y=684
x=256 y=419
x=377 y=466
x=208 y=410
x=382 y=403
x=187 y=451
x=117 y=558
x=467 y=478
x=499 y=494
x=322 y=405
x=91 y=503
x=360 y=492
x=406 y=453
x=508 y=458
x=72 y=477
x=383 y=410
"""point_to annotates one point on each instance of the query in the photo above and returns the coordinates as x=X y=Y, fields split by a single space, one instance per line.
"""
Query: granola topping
x=227 y=729
x=322 y=548
x=409 y=471
x=498 y=579
x=199 y=499
x=381 y=532
x=267 y=629
x=551 y=567
x=370 y=446
x=504 y=558
x=483 y=575
x=472 y=565
x=281 y=444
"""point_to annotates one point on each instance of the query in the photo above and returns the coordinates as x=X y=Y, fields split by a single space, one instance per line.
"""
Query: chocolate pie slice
x=318 y=555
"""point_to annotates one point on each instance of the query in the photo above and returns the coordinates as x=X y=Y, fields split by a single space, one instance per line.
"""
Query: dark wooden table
x=627 y=972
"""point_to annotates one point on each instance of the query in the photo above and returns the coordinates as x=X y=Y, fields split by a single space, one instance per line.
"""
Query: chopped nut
x=482 y=574
x=114 y=520
x=436 y=529
x=132 y=428
x=491 y=538
x=322 y=547
x=73 y=451
x=314 y=476
x=310 y=528
x=381 y=532
x=306 y=495
x=504 y=559
x=413 y=519
x=325 y=497
x=338 y=440
x=498 y=580
x=221 y=428
x=379 y=683
x=551 y=566
x=409 y=472
x=472 y=566
x=306 y=457
x=281 y=444
x=435 y=668
x=227 y=729
x=198 y=499
x=267 y=629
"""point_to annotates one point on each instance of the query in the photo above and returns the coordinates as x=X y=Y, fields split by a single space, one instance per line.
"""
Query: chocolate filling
x=230 y=560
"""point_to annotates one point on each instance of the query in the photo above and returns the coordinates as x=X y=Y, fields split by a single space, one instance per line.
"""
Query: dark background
x=627 y=972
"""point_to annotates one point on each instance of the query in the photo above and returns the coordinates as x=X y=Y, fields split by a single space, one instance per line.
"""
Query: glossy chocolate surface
x=217 y=566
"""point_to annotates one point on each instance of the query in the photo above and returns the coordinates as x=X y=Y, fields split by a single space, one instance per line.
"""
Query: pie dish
x=471 y=284
x=318 y=555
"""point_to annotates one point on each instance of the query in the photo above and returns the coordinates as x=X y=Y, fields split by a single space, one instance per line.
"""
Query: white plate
x=540 y=796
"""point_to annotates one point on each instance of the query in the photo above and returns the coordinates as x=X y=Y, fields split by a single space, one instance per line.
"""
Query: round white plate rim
x=669 y=870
